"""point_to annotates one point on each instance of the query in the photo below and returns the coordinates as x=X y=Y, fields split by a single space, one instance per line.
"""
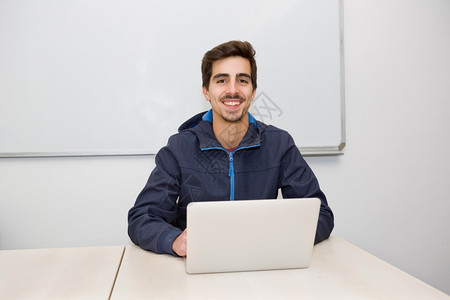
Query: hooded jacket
x=193 y=166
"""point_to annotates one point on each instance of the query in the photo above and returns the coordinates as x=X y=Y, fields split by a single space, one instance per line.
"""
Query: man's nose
x=232 y=88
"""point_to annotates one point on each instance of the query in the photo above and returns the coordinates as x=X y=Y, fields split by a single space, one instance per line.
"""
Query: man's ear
x=206 y=93
x=253 y=94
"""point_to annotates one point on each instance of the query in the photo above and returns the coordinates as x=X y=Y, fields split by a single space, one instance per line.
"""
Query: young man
x=223 y=154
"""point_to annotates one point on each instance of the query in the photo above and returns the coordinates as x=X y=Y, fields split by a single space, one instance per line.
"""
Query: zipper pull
x=231 y=168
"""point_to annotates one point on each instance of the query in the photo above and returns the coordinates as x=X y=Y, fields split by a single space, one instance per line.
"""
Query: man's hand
x=179 y=245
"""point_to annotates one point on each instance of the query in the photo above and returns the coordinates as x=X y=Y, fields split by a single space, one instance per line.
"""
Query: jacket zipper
x=231 y=165
x=231 y=174
x=231 y=168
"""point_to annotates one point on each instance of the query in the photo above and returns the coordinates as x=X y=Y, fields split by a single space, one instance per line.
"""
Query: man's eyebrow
x=244 y=75
x=221 y=75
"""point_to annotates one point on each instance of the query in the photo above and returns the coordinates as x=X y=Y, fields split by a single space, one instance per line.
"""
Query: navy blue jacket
x=195 y=167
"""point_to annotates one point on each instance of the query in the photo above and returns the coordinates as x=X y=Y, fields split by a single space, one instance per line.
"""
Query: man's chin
x=233 y=118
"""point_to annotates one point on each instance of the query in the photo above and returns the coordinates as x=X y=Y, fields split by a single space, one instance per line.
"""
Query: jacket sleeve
x=299 y=181
x=149 y=220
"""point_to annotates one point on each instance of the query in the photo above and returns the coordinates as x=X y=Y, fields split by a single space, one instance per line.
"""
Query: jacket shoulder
x=271 y=129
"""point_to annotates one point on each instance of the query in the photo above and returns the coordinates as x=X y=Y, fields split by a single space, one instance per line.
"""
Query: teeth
x=232 y=103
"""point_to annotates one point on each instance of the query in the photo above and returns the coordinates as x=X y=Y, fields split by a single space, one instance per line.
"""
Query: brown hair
x=231 y=48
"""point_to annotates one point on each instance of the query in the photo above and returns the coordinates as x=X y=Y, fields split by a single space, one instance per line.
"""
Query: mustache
x=235 y=96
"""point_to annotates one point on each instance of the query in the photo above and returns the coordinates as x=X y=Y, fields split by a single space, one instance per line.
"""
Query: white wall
x=389 y=191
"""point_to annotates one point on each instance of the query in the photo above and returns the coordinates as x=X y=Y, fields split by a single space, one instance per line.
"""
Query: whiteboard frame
x=306 y=151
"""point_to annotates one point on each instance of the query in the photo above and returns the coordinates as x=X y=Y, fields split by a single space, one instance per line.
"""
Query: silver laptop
x=249 y=235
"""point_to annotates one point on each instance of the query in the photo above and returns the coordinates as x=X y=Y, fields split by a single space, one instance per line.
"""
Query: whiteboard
x=93 y=77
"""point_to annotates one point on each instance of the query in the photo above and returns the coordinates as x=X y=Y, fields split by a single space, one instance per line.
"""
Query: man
x=223 y=154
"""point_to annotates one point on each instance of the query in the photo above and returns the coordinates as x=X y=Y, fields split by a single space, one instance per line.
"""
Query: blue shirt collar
x=209 y=118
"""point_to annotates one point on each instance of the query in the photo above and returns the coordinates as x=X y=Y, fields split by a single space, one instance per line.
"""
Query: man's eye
x=221 y=81
x=243 y=81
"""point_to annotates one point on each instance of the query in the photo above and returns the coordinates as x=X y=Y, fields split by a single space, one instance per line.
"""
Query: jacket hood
x=192 y=122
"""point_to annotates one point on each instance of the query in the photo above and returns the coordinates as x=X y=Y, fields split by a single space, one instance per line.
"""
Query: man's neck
x=230 y=134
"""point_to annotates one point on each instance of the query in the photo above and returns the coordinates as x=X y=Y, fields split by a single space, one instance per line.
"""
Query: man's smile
x=232 y=103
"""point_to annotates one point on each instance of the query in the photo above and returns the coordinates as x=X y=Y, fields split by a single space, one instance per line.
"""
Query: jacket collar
x=208 y=116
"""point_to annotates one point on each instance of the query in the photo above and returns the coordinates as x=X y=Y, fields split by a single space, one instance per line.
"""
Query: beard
x=234 y=117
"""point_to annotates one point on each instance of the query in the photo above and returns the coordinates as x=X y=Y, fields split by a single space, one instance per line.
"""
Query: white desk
x=64 y=273
x=339 y=270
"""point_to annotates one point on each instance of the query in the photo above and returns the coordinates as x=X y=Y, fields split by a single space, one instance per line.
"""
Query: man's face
x=230 y=89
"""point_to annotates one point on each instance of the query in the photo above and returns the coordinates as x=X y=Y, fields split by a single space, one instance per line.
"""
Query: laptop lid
x=248 y=235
